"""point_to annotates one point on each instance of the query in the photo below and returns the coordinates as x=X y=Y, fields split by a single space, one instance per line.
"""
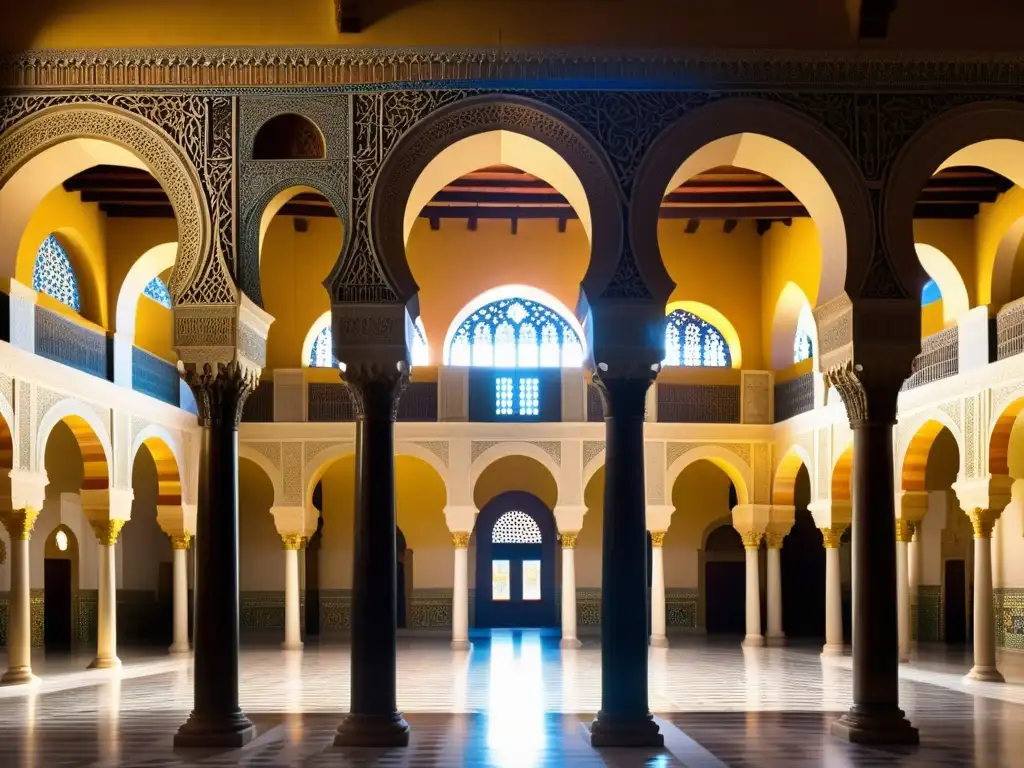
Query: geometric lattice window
x=157 y=291
x=321 y=355
x=693 y=341
x=930 y=293
x=53 y=275
x=803 y=340
x=515 y=333
x=515 y=527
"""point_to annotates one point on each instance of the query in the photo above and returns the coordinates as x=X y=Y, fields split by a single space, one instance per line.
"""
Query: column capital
x=623 y=387
x=569 y=517
x=28 y=489
x=829 y=512
x=376 y=388
x=460 y=517
x=107 y=531
x=983 y=521
x=293 y=521
x=292 y=541
x=19 y=523
x=221 y=390
x=911 y=506
x=460 y=539
x=177 y=519
x=658 y=538
x=568 y=539
x=774 y=540
x=832 y=535
x=904 y=530
x=659 y=516
x=180 y=540
x=751 y=539
x=983 y=493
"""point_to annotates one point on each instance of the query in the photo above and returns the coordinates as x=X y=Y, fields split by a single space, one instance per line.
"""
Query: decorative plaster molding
x=677 y=449
x=271 y=451
x=591 y=450
x=437 y=447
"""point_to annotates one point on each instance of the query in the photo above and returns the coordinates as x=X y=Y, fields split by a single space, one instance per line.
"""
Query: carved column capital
x=376 y=388
x=623 y=388
x=904 y=530
x=866 y=402
x=983 y=521
x=568 y=539
x=19 y=523
x=181 y=540
x=107 y=531
x=292 y=541
x=832 y=536
x=752 y=539
x=658 y=538
x=774 y=540
x=460 y=539
x=221 y=392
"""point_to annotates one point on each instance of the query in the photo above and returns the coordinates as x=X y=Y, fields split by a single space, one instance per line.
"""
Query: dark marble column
x=374 y=719
x=875 y=717
x=625 y=718
x=216 y=719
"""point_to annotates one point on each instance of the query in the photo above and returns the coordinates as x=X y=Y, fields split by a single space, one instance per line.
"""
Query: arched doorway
x=803 y=567
x=60 y=584
x=515 y=563
x=725 y=581
x=404 y=580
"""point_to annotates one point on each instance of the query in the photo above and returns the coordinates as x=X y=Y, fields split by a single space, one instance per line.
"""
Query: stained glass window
x=930 y=293
x=803 y=340
x=515 y=333
x=157 y=291
x=501 y=588
x=53 y=274
x=321 y=355
x=691 y=341
x=516 y=527
x=531 y=579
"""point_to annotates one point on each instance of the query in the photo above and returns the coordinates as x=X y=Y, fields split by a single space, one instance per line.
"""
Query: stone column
x=870 y=390
x=834 y=644
x=659 y=634
x=180 y=542
x=625 y=718
x=292 y=629
x=19 y=524
x=569 y=638
x=774 y=543
x=914 y=568
x=460 y=592
x=107 y=532
x=904 y=533
x=984 y=668
x=752 y=547
x=374 y=719
x=217 y=720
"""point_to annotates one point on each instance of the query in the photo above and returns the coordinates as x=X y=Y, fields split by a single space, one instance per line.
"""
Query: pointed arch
x=166 y=453
x=914 y=461
x=784 y=484
x=728 y=461
x=91 y=435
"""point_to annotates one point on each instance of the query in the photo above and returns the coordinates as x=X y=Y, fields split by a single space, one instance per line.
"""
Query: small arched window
x=515 y=527
x=692 y=341
x=53 y=274
x=803 y=340
x=321 y=355
x=515 y=333
x=930 y=293
x=157 y=291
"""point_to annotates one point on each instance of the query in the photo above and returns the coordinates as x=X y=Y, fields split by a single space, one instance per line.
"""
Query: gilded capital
x=107 y=531
x=19 y=523
x=460 y=539
x=292 y=541
x=830 y=537
x=181 y=540
x=568 y=539
x=904 y=530
x=752 y=539
x=657 y=538
x=774 y=540
x=983 y=521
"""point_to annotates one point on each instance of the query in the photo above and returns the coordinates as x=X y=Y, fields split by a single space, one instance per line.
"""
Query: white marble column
x=775 y=634
x=659 y=637
x=460 y=594
x=19 y=525
x=180 y=543
x=569 y=637
x=904 y=533
x=984 y=669
x=833 y=592
x=292 y=629
x=107 y=532
x=752 y=546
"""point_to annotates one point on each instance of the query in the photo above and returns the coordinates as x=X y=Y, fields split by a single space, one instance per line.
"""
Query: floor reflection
x=515 y=715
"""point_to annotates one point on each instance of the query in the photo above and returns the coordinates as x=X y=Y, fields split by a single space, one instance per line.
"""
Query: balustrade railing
x=155 y=377
x=939 y=358
x=65 y=341
x=1010 y=329
x=259 y=406
x=794 y=397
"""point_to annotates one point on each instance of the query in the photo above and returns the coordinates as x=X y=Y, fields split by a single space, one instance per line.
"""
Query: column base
x=220 y=732
x=833 y=650
x=618 y=731
x=753 y=641
x=567 y=643
x=986 y=675
x=179 y=649
x=884 y=727
x=461 y=645
x=659 y=641
x=775 y=640
x=373 y=731
x=111 y=662
x=18 y=676
x=292 y=646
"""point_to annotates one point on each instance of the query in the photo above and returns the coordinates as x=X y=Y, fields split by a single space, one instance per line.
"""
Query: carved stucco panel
x=270 y=451
x=591 y=450
x=437 y=447
x=291 y=457
x=676 y=449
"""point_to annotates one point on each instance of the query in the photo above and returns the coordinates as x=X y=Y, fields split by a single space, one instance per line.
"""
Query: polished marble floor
x=514 y=700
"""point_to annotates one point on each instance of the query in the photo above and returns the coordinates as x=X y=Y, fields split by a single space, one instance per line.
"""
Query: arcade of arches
x=302 y=370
